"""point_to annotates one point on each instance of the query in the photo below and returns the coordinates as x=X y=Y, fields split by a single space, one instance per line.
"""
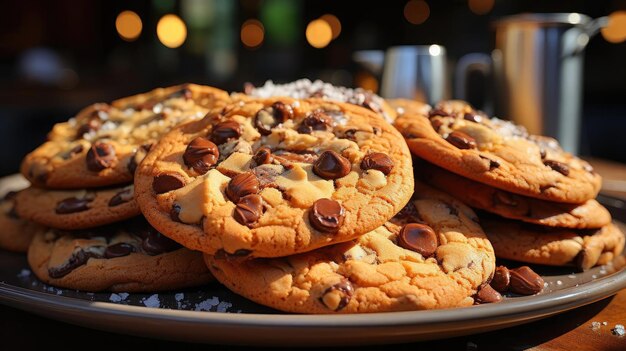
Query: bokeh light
x=335 y=24
x=480 y=7
x=128 y=25
x=615 y=31
x=366 y=81
x=416 y=11
x=319 y=33
x=252 y=33
x=171 y=31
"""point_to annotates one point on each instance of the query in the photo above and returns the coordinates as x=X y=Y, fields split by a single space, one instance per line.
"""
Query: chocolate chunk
x=78 y=258
x=378 y=161
x=437 y=112
x=93 y=124
x=343 y=289
x=461 y=140
x=557 y=166
x=331 y=165
x=474 y=117
x=317 y=120
x=487 y=295
x=201 y=154
x=501 y=279
x=119 y=250
x=225 y=131
x=137 y=157
x=263 y=156
x=419 y=238
x=350 y=134
x=73 y=151
x=221 y=254
x=492 y=164
x=156 y=243
x=326 y=215
x=269 y=117
x=100 y=156
x=121 y=197
x=525 y=281
x=72 y=205
x=165 y=182
x=241 y=185
x=249 y=209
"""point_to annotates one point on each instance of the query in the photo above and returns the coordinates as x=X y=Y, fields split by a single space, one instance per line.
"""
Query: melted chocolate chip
x=72 y=205
x=119 y=250
x=78 y=258
x=501 y=279
x=225 y=131
x=10 y=195
x=378 y=161
x=241 y=185
x=487 y=295
x=317 y=120
x=345 y=291
x=461 y=140
x=263 y=156
x=73 y=151
x=326 y=215
x=165 y=182
x=492 y=164
x=407 y=214
x=331 y=165
x=525 y=281
x=121 y=197
x=419 y=238
x=557 y=166
x=473 y=117
x=93 y=124
x=100 y=156
x=156 y=243
x=269 y=117
x=249 y=209
x=201 y=154
x=436 y=123
x=437 y=112
x=350 y=134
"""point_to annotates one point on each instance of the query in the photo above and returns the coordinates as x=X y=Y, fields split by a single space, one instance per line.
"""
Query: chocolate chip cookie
x=15 y=232
x=553 y=246
x=304 y=88
x=103 y=144
x=590 y=214
x=433 y=254
x=407 y=106
x=267 y=178
x=77 y=209
x=130 y=256
x=501 y=154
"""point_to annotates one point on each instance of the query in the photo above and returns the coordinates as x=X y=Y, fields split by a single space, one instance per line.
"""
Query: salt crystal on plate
x=152 y=301
x=223 y=306
x=179 y=296
x=207 y=304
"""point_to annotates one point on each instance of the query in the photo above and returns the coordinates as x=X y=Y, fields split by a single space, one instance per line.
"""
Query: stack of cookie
x=90 y=234
x=537 y=201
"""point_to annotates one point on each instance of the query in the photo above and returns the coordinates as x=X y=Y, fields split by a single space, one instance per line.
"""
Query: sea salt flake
x=152 y=301
x=24 y=273
x=118 y=297
x=179 y=296
x=618 y=330
x=558 y=282
x=595 y=325
x=207 y=304
x=223 y=306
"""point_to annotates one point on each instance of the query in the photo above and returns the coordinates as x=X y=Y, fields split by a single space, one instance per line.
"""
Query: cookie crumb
x=153 y=301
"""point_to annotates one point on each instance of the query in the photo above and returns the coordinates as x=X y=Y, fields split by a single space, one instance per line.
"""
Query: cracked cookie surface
x=274 y=177
x=501 y=154
x=127 y=257
x=103 y=143
x=433 y=254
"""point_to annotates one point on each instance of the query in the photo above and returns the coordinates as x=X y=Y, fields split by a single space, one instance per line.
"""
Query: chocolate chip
x=10 y=195
x=350 y=134
x=93 y=124
x=331 y=165
x=437 y=112
x=225 y=131
x=317 y=120
x=249 y=209
x=378 y=161
x=165 y=182
x=100 y=156
x=525 y=281
x=156 y=243
x=542 y=153
x=241 y=185
x=327 y=215
x=492 y=164
x=419 y=238
x=407 y=214
x=121 y=197
x=77 y=259
x=557 y=166
x=461 y=140
x=436 y=123
x=73 y=151
x=487 y=295
x=221 y=254
x=338 y=296
x=201 y=154
x=263 y=156
x=72 y=205
x=501 y=279
x=119 y=250
x=269 y=117
x=473 y=117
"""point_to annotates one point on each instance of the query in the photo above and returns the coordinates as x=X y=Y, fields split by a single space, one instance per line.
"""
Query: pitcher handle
x=589 y=30
x=467 y=64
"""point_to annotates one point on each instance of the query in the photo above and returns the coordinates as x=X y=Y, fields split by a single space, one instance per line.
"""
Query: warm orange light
x=171 y=31
x=615 y=32
x=252 y=33
x=335 y=25
x=366 y=81
x=416 y=11
x=128 y=25
x=480 y=7
x=319 y=33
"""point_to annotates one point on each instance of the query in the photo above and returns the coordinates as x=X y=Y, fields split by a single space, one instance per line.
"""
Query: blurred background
x=59 y=56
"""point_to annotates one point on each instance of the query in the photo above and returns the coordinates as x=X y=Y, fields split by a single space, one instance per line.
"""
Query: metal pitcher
x=537 y=71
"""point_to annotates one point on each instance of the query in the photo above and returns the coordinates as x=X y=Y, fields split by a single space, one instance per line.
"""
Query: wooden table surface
x=568 y=331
